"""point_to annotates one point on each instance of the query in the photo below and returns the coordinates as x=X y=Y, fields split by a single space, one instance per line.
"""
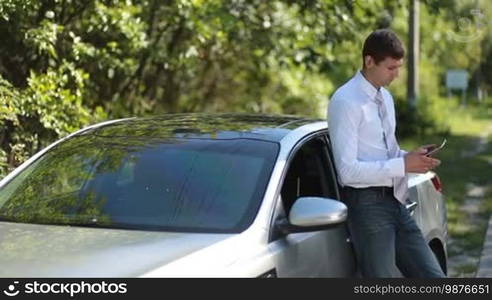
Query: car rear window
x=182 y=185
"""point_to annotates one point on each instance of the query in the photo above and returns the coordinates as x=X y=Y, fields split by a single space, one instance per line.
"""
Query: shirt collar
x=366 y=86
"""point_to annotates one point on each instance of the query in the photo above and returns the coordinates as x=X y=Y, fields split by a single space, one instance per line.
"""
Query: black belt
x=384 y=190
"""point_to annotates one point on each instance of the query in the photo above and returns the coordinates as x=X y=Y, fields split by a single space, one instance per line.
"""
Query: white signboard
x=457 y=79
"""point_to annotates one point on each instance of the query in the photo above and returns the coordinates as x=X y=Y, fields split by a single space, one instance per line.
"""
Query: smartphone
x=436 y=149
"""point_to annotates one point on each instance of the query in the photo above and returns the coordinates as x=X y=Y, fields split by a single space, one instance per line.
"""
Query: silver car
x=189 y=195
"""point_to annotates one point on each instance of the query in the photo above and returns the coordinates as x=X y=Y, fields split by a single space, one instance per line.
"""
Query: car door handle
x=411 y=206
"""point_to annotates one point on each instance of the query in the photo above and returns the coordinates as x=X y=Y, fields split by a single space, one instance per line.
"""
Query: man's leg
x=372 y=224
x=375 y=253
x=414 y=257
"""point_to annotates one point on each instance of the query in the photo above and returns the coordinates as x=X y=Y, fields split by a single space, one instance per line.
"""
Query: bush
x=430 y=117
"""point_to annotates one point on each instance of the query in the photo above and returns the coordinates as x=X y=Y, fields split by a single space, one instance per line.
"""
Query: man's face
x=384 y=72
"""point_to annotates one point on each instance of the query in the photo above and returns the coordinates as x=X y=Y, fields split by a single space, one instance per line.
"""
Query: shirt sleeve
x=344 y=118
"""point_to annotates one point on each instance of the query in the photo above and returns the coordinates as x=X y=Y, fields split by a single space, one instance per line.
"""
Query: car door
x=326 y=253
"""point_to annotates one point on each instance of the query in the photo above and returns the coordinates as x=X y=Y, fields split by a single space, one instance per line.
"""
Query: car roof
x=203 y=125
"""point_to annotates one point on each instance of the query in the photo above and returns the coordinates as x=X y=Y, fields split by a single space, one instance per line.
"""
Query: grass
x=460 y=167
x=467 y=269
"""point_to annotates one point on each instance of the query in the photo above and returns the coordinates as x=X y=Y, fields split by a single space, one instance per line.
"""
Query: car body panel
x=324 y=253
x=31 y=250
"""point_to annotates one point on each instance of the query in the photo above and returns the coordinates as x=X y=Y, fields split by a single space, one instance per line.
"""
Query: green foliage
x=429 y=119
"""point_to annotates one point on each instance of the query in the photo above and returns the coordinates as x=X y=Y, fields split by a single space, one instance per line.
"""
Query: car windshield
x=184 y=185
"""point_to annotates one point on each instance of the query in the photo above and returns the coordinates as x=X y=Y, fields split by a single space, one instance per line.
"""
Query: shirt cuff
x=396 y=167
x=403 y=153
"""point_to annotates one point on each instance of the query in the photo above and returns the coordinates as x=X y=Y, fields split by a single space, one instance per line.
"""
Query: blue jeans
x=386 y=238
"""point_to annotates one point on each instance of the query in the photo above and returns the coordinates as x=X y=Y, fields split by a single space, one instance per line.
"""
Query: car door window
x=309 y=174
x=333 y=183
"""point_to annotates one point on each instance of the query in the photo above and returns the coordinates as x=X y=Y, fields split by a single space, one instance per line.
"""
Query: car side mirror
x=313 y=214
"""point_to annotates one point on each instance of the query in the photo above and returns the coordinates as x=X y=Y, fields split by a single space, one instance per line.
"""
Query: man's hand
x=427 y=148
x=417 y=162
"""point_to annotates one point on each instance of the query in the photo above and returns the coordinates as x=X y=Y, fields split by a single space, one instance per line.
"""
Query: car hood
x=30 y=250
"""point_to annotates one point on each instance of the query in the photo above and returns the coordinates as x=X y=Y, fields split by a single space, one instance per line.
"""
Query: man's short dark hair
x=382 y=43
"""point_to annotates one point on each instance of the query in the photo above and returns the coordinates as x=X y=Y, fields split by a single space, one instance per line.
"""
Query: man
x=372 y=168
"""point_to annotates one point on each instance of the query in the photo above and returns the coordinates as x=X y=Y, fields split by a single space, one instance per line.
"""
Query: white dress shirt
x=356 y=132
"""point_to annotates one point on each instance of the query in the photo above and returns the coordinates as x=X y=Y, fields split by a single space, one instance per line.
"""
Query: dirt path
x=465 y=262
